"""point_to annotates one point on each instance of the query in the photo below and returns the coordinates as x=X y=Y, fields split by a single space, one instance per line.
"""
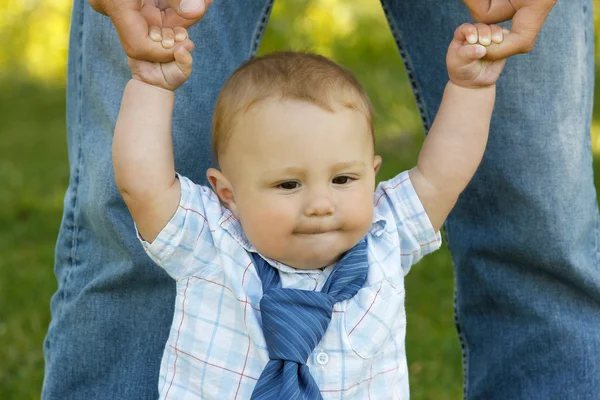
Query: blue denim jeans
x=524 y=235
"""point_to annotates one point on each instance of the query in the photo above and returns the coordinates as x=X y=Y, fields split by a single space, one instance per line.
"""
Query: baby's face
x=302 y=180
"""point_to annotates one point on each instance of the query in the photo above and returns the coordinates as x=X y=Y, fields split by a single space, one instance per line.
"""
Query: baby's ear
x=376 y=163
x=222 y=187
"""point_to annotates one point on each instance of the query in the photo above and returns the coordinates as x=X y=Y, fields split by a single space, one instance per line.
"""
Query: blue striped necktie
x=294 y=322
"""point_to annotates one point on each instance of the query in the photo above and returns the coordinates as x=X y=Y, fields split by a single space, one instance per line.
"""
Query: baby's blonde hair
x=286 y=75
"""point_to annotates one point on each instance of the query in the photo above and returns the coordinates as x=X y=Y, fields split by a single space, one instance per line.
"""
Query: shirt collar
x=232 y=225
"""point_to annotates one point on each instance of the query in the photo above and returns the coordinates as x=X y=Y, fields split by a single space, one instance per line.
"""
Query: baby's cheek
x=265 y=224
x=359 y=212
x=276 y=215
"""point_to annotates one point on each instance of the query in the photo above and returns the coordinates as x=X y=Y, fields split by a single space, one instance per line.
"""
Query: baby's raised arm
x=456 y=141
x=142 y=145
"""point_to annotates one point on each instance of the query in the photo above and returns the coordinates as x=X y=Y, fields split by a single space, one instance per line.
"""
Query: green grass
x=34 y=175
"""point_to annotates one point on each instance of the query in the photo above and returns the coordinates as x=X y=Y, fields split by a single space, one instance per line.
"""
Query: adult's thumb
x=512 y=44
x=190 y=9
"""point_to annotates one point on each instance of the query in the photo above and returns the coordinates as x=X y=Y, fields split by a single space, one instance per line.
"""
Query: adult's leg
x=524 y=236
x=113 y=308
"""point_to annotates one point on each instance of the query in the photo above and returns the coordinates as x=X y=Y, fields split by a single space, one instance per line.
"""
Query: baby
x=290 y=268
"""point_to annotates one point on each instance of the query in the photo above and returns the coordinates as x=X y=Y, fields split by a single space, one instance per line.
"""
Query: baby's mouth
x=317 y=231
x=318 y=227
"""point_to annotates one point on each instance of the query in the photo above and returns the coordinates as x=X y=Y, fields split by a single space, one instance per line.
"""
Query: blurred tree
x=37 y=42
x=351 y=32
x=356 y=35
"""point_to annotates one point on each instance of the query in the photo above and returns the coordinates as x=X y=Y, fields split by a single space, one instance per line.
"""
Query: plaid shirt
x=216 y=348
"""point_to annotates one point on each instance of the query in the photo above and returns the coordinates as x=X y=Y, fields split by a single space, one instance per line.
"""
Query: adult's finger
x=185 y=13
x=133 y=32
x=98 y=6
x=109 y=7
x=512 y=44
x=528 y=17
x=490 y=11
x=189 y=9
x=526 y=26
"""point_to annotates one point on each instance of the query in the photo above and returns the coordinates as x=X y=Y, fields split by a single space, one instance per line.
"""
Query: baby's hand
x=466 y=66
x=169 y=75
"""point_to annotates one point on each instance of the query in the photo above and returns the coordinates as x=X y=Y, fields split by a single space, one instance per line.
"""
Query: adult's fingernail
x=188 y=6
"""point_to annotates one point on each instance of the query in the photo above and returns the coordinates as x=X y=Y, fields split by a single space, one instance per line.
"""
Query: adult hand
x=169 y=75
x=132 y=19
x=528 y=16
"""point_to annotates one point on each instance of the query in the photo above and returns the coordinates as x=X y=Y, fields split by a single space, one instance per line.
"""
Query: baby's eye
x=290 y=185
x=342 y=180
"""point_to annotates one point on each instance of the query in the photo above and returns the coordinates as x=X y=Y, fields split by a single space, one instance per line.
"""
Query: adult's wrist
x=110 y=7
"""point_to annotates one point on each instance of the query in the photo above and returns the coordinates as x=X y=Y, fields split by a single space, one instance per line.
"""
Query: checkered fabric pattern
x=216 y=348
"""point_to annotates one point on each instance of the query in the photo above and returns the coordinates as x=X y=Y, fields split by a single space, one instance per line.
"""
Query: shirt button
x=322 y=358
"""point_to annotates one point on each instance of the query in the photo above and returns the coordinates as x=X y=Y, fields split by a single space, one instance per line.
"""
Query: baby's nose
x=319 y=206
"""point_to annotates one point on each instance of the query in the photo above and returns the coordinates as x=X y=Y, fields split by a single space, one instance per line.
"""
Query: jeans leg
x=525 y=234
x=113 y=308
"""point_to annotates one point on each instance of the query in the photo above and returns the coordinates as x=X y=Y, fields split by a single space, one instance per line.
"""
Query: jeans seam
x=77 y=169
x=425 y=120
x=597 y=239
x=260 y=28
x=463 y=344
x=464 y=348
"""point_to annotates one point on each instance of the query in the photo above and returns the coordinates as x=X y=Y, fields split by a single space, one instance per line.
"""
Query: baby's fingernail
x=167 y=43
x=505 y=31
x=497 y=38
x=156 y=37
x=471 y=38
x=480 y=51
x=188 y=6
x=484 y=41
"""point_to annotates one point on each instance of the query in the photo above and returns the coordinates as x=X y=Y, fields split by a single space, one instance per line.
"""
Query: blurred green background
x=34 y=173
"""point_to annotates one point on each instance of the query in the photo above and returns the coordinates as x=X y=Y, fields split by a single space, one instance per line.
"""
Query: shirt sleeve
x=185 y=245
x=399 y=205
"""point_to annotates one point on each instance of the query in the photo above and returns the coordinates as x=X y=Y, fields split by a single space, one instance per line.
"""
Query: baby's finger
x=485 y=34
x=466 y=33
x=168 y=38
x=155 y=33
x=497 y=35
x=184 y=60
x=472 y=52
x=180 y=33
x=187 y=44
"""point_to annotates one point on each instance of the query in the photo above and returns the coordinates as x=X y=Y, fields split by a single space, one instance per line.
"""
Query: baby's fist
x=168 y=75
x=466 y=66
